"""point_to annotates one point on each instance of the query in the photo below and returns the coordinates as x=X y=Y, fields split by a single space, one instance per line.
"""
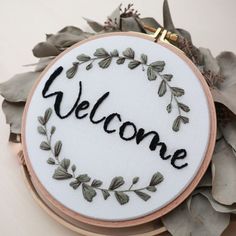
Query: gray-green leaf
x=115 y=53
x=168 y=77
x=45 y=146
x=156 y=179
x=169 y=108
x=60 y=174
x=105 y=62
x=142 y=195
x=116 y=183
x=96 y=183
x=72 y=71
x=151 y=73
x=75 y=184
x=151 y=188
x=47 y=115
x=65 y=163
x=73 y=167
x=83 y=57
x=51 y=161
x=183 y=107
x=121 y=197
x=129 y=53
x=120 y=60
x=144 y=58
x=177 y=91
x=105 y=194
x=41 y=130
x=89 y=66
x=53 y=129
x=57 y=148
x=176 y=124
x=83 y=178
x=88 y=192
x=162 y=88
x=41 y=120
x=184 y=119
x=158 y=66
x=135 y=180
x=101 y=52
x=133 y=64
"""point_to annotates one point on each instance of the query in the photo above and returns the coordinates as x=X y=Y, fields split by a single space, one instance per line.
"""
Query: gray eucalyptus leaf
x=101 y=53
x=75 y=184
x=120 y=60
x=97 y=27
x=105 y=63
x=144 y=196
x=151 y=188
x=96 y=183
x=151 y=74
x=121 y=197
x=156 y=179
x=88 y=192
x=133 y=64
x=57 y=148
x=72 y=71
x=129 y=53
x=83 y=57
x=162 y=88
x=60 y=174
x=41 y=130
x=105 y=194
x=47 y=115
x=83 y=178
x=130 y=24
x=116 y=183
x=65 y=164
x=45 y=49
x=178 y=92
x=51 y=161
x=135 y=180
x=45 y=146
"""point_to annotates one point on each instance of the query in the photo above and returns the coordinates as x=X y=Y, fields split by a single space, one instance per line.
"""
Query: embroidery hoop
x=74 y=217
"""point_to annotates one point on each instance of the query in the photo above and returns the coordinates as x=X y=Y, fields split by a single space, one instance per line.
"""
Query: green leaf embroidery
x=41 y=130
x=158 y=66
x=151 y=188
x=144 y=58
x=47 y=115
x=75 y=184
x=116 y=183
x=57 y=148
x=151 y=74
x=135 y=180
x=120 y=60
x=121 y=197
x=156 y=179
x=72 y=71
x=83 y=57
x=142 y=195
x=101 y=52
x=129 y=53
x=183 y=107
x=168 y=77
x=83 y=178
x=96 y=183
x=60 y=174
x=133 y=64
x=45 y=146
x=105 y=194
x=41 y=120
x=51 y=161
x=162 y=88
x=177 y=91
x=88 y=192
x=105 y=62
x=65 y=163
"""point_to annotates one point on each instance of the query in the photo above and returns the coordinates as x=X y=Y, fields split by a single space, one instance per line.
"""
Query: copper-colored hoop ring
x=71 y=215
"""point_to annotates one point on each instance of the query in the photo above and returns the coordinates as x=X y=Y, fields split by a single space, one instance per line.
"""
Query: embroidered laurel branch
x=64 y=170
x=153 y=71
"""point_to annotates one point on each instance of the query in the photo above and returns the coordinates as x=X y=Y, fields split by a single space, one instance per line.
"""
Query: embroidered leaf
x=45 y=146
x=65 y=163
x=105 y=62
x=47 y=115
x=105 y=194
x=57 y=148
x=156 y=179
x=183 y=107
x=53 y=129
x=89 y=66
x=115 y=53
x=75 y=184
x=151 y=73
x=151 y=188
x=135 y=180
x=41 y=130
x=176 y=124
x=51 y=161
x=101 y=52
x=72 y=71
x=121 y=197
x=116 y=183
x=129 y=53
x=88 y=192
x=158 y=66
x=120 y=60
x=144 y=58
x=83 y=178
x=162 y=88
x=41 y=120
x=73 y=167
x=177 y=91
x=168 y=77
x=184 y=119
x=133 y=64
x=96 y=183
x=169 y=108
x=60 y=174
x=142 y=195
x=83 y=57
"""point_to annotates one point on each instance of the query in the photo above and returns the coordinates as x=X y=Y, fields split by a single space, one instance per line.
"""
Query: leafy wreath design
x=153 y=71
x=64 y=170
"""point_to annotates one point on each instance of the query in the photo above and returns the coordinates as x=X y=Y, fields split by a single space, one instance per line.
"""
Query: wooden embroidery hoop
x=76 y=218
